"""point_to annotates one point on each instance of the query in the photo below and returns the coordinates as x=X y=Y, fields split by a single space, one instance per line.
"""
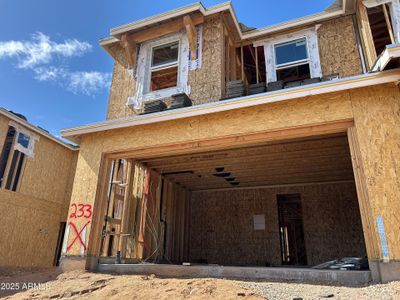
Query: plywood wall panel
x=206 y=82
x=377 y=119
x=338 y=47
x=122 y=87
x=48 y=174
x=222 y=229
x=29 y=230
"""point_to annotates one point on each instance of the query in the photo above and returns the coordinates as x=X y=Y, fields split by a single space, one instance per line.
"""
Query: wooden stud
x=126 y=205
x=366 y=34
x=388 y=24
x=257 y=70
x=242 y=62
x=99 y=209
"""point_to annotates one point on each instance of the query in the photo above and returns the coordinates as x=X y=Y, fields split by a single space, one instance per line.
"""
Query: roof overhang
x=359 y=81
x=35 y=129
x=340 y=7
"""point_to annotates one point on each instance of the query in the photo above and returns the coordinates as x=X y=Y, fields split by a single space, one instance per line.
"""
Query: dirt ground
x=52 y=284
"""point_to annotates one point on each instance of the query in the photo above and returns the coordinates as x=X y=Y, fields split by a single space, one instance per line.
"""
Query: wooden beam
x=164 y=29
x=257 y=71
x=192 y=35
x=242 y=62
x=220 y=143
x=388 y=24
x=366 y=34
x=130 y=50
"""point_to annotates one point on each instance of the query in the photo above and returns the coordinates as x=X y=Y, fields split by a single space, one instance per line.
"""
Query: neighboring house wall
x=338 y=47
x=31 y=216
x=375 y=110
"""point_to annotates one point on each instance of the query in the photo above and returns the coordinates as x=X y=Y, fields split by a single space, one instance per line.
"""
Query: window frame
x=22 y=152
x=314 y=59
x=164 y=66
x=142 y=72
x=294 y=63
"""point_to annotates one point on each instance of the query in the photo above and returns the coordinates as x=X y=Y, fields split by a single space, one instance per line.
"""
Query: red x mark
x=78 y=235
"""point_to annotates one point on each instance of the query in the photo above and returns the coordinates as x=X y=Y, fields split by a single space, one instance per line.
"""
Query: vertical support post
x=125 y=210
x=366 y=34
x=242 y=61
x=257 y=71
x=389 y=26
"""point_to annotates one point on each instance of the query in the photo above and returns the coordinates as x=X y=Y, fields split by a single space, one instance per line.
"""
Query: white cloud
x=41 y=55
x=41 y=50
x=87 y=83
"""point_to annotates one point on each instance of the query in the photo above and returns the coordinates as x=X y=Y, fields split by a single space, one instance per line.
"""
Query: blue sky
x=52 y=69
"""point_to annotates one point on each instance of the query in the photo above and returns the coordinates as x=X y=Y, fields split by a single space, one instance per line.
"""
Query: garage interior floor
x=285 y=204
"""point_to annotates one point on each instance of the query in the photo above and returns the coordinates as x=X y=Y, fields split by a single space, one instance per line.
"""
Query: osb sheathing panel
x=338 y=47
x=3 y=129
x=31 y=216
x=306 y=111
x=205 y=83
x=222 y=228
x=48 y=174
x=29 y=230
x=377 y=119
x=122 y=87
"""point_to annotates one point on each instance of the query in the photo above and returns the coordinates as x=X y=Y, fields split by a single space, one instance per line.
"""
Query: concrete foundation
x=384 y=272
x=351 y=278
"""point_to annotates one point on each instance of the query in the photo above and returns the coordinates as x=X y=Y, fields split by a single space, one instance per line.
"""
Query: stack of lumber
x=275 y=86
x=234 y=89
x=154 y=106
x=180 y=100
x=256 y=88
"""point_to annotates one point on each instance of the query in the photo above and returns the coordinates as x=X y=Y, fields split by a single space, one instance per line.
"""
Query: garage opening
x=287 y=203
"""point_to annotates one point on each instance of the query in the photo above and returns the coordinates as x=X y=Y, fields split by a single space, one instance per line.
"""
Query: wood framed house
x=245 y=147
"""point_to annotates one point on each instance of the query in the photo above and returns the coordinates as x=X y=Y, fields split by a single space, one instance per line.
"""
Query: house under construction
x=240 y=152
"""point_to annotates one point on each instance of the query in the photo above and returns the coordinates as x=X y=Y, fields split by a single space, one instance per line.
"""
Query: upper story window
x=17 y=146
x=164 y=66
x=292 y=60
x=292 y=57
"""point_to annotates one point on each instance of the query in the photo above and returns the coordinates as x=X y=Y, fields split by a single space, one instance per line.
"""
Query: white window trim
x=33 y=138
x=292 y=63
x=185 y=64
x=143 y=72
x=163 y=66
x=312 y=49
